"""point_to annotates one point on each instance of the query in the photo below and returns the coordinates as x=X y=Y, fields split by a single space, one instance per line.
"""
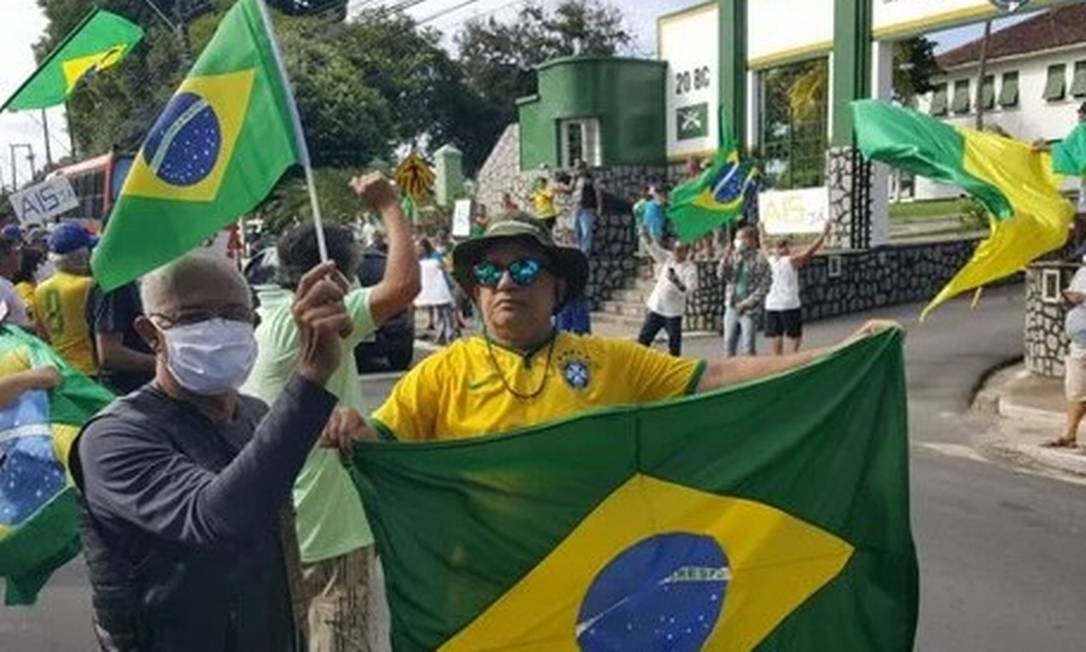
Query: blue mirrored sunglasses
x=523 y=271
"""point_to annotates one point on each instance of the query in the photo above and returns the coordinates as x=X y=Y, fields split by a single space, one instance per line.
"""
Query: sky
x=24 y=24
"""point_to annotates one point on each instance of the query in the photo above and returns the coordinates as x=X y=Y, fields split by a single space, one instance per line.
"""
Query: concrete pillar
x=882 y=88
x=848 y=177
x=449 y=177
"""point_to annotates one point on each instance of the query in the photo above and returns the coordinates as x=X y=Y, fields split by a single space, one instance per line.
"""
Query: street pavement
x=1000 y=547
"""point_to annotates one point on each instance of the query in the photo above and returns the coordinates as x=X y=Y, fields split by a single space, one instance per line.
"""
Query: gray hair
x=193 y=269
x=74 y=262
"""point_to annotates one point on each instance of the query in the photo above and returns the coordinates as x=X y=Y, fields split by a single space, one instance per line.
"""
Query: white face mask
x=211 y=357
x=740 y=244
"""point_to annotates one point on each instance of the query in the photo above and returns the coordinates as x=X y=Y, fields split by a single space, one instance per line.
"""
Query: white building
x=1035 y=80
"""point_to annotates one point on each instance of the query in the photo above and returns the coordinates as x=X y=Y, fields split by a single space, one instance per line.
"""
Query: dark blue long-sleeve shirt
x=179 y=501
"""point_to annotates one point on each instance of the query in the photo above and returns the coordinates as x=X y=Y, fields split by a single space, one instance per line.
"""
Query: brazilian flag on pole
x=214 y=153
x=38 y=509
x=715 y=522
x=101 y=40
x=717 y=196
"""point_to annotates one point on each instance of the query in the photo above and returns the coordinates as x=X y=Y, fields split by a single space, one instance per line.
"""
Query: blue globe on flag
x=665 y=592
x=184 y=143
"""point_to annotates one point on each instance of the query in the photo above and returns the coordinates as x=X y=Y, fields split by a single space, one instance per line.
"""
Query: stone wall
x=874 y=278
x=499 y=171
x=1045 y=341
x=612 y=263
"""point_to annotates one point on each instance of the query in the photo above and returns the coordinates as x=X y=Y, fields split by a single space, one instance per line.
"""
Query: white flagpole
x=299 y=135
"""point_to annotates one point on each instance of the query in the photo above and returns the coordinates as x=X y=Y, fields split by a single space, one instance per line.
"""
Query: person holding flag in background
x=339 y=564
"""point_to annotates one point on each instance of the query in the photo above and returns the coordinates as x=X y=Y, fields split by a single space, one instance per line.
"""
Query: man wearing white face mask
x=747 y=278
x=188 y=534
x=338 y=559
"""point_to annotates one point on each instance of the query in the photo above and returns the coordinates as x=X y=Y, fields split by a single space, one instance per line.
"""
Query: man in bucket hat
x=520 y=371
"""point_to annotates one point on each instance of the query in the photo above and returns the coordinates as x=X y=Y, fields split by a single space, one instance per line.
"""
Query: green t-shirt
x=330 y=519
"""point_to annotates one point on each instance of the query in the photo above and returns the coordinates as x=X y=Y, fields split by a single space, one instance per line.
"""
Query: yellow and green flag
x=101 y=40
x=694 y=524
x=215 y=152
x=717 y=196
x=1019 y=187
x=38 y=507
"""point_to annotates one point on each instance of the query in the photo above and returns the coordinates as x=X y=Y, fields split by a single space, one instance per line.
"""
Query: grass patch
x=929 y=209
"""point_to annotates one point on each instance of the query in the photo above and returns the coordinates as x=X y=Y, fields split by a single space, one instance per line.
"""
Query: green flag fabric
x=215 y=152
x=1069 y=155
x=1018 y=186
x=716 y=197
x=728 y=521
x=101 y=40
x=38 y=509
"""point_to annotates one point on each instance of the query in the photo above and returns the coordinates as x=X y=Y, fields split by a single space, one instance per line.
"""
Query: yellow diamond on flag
x=75 y=69
x=187 y=151
x=660 y=561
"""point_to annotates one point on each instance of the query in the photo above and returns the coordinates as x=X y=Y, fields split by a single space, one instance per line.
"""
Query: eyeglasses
x=237 y=313
x=523 y=271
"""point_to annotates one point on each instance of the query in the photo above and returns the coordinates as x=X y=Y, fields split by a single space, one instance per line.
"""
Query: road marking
x=955 y=450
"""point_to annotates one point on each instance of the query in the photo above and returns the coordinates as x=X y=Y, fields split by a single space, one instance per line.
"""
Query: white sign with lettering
x=44 y=200
x=803 y=210
x=689 y=43
x=461 y=218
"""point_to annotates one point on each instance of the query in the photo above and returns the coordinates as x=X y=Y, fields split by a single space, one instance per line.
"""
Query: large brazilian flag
x=769 y=516
x=215 y=152
x=38 y=508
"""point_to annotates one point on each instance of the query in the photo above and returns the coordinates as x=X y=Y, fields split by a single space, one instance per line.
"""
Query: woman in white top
x=435 y=294
x=783 y=314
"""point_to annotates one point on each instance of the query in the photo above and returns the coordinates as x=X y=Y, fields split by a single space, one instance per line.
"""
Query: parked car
x=390 y=348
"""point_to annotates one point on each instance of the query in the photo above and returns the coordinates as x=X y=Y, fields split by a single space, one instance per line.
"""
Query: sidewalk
x=1030 y=410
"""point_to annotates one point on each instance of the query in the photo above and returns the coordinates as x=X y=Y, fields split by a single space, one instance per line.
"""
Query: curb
x=1016 y=426
x=1010 y=410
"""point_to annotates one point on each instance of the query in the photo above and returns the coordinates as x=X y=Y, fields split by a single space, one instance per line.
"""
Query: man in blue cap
x=60 y=301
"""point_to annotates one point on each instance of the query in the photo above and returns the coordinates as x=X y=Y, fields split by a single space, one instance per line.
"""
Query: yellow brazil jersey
x=25 y=290
x=543 y=202
x=459 y=392
x=60 y=307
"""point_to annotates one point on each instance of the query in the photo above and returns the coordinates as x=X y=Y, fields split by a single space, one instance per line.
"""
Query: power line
x=52 y=136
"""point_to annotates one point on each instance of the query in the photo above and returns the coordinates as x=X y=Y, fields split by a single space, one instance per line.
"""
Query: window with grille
x=960 y=103
x=987 y=93
x=939 y=100
x=792 y=134
x=580 y=141
x=1008 y=94
x=1056 y=84
x=1078 y=83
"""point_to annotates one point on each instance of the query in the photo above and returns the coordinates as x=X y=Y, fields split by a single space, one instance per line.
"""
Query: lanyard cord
x=505 y=383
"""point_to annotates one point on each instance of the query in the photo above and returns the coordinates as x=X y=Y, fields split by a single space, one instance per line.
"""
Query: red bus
x=97 y=183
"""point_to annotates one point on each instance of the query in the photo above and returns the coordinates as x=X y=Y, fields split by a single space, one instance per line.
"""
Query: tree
x=498 y=59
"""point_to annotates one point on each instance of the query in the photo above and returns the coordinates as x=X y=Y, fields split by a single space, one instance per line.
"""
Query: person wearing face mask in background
x=338 y=559
x=185 y=483
x=747 y=278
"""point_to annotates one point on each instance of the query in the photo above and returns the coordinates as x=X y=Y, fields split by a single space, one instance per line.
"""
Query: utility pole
x=14 y=172
x=983 y=73
x=48 y=150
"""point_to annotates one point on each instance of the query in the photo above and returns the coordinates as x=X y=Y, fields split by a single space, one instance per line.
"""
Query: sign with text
x=688 y=42
x=461 y=218
x=803 y=210
x=44 y=200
